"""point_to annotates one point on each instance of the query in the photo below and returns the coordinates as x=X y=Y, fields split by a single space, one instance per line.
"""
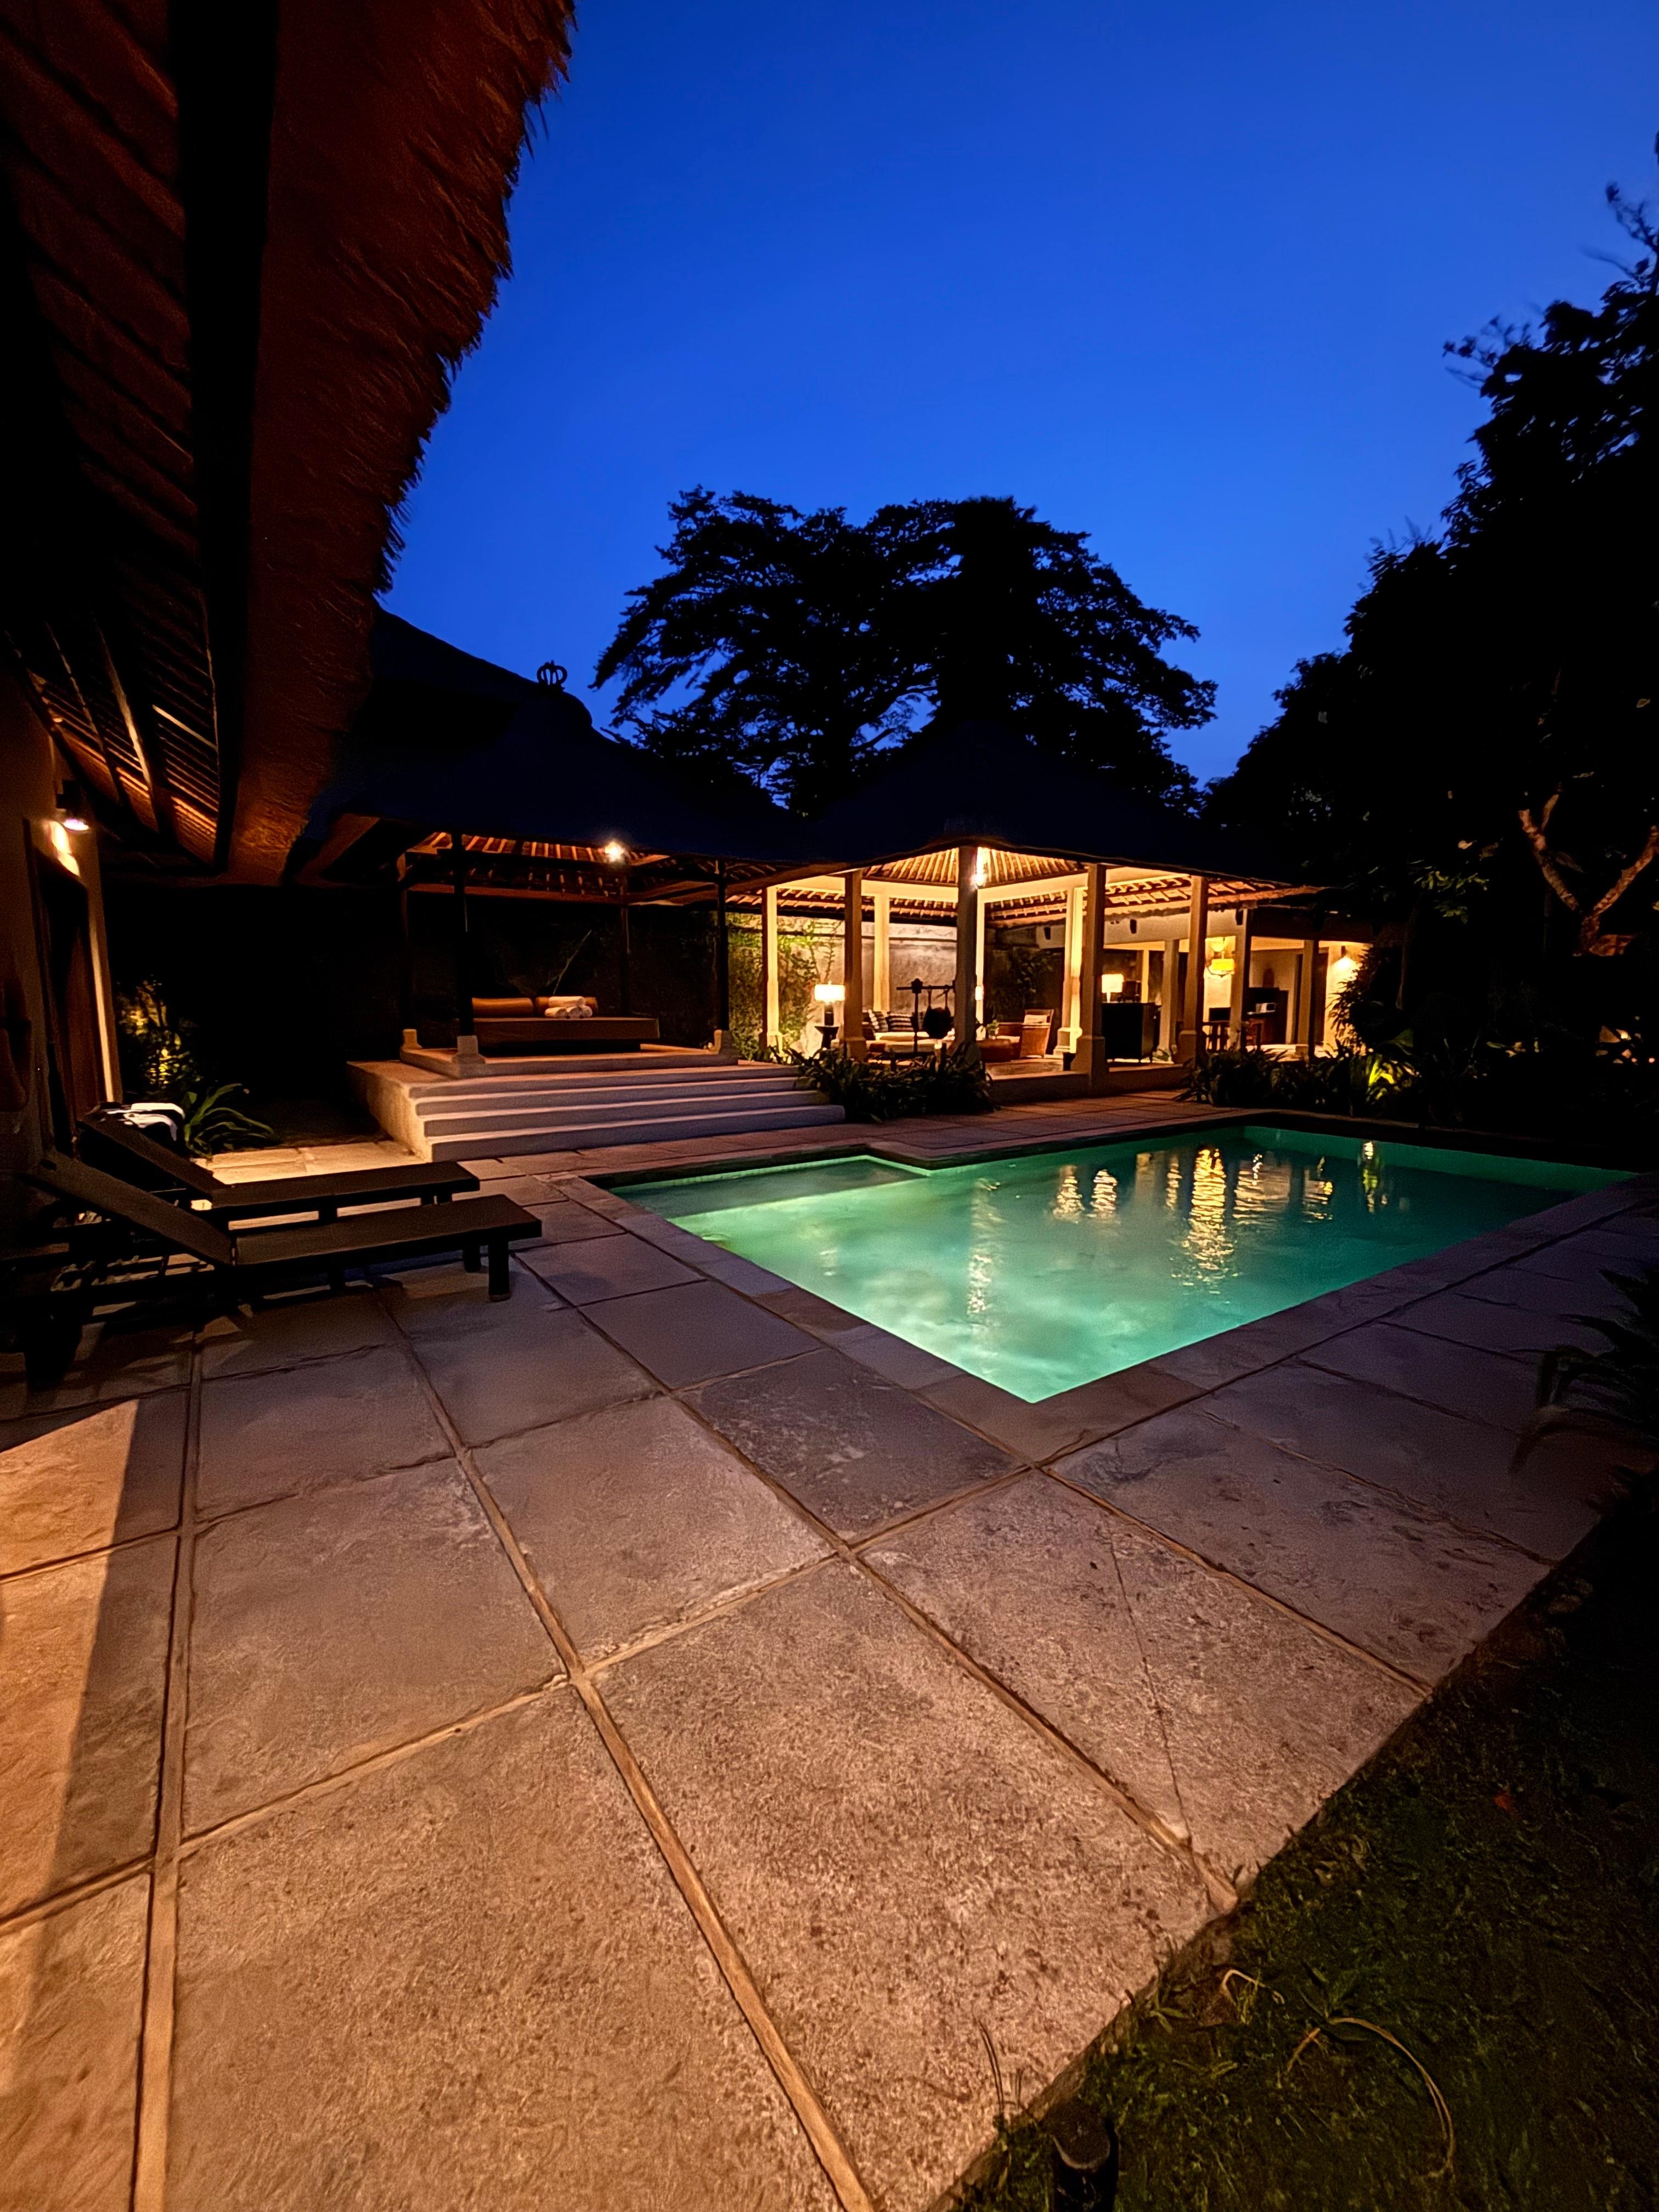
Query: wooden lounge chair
x=246 y=1262
x=114 y=1145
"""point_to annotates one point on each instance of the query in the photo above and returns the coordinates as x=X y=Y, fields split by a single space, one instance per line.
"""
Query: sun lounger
x=115 y=1147
x=247 y=1261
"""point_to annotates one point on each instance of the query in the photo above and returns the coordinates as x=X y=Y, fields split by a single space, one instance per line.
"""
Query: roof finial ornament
x=552 y=673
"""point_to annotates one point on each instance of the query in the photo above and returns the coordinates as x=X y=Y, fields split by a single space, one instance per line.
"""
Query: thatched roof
x=980 y=784
x=448 y=742
x=244 y=249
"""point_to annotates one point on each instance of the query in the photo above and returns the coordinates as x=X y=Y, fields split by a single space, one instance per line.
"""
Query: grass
x=1460 y=1956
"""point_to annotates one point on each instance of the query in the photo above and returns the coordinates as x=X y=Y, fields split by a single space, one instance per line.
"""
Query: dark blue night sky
x=1178 y=277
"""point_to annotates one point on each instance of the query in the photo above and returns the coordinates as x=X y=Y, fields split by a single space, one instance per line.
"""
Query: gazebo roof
x=449 y=742
x=979 y=783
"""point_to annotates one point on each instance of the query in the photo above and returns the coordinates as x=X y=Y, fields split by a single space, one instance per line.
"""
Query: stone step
x=535 y=1090
x=438 y=1115
x=484 y=1139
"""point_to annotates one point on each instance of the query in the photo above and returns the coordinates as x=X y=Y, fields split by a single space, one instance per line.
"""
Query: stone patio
x=626 y=1748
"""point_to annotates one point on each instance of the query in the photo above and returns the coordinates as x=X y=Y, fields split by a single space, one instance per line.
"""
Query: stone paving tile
x=110 y=1363
x=729 y=1267
x=1457 y=1466
x=1537 y=1292
x=465 y=1980
x=1254 y=1344
x=668 y=1237
x=1365 y=1564
x=1593 y=1254
x=501 y=1368
x=71 y=1993
x=698 y=1330
x=1212 y=1708
x=635 y=1517
x=892 y=1357
x=76 y=1480
x=901 y=1858
x=310 y=1327
x=564 y=1222
x=326 y=1629
x=808 y=1310
x=1485 y=1385
x=82 y=1669
x=304 y=1428
x=1489 y=1326
x=1042 y=1429
x=856 y=1451
x=606 y=1268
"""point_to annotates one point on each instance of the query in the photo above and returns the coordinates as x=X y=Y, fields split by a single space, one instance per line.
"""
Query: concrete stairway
x=606 y=1100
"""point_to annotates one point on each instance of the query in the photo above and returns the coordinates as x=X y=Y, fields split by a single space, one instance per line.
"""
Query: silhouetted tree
x=793 y=648
x=1494 y=712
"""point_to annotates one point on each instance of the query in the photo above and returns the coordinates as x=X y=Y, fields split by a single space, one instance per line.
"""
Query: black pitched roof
x=980 y=783
x=447 y=741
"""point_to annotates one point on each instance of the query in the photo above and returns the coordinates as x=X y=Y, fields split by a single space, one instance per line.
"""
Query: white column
x=1091 y=1045
x=852 y=965
x=1198 y=930
x=881 y=966
x=1304 y=996
x=1169 y=1009
x=967 y=980
x=769 y=1016
x=1240 y=981
x=1071 y=1020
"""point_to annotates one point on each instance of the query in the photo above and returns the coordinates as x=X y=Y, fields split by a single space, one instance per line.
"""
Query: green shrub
x=889 y=1089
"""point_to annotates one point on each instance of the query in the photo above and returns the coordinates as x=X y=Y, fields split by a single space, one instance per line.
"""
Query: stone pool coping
x=1039 y=1428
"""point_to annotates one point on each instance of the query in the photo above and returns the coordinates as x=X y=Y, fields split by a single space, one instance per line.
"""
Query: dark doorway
x=74 y=1072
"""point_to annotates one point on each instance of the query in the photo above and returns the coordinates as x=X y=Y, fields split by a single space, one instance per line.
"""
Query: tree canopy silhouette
x=1494 y=712
x=791 y=648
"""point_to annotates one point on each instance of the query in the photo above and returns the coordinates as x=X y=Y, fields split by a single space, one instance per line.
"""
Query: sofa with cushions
x=550 y=1024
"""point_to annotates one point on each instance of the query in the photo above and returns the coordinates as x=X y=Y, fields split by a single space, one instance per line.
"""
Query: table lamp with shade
x=829 y=996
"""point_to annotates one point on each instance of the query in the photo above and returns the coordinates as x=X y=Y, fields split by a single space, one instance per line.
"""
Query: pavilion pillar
x=1091 y=1057
x=1198 y=932
x=624 y=963
x=881 y=962
x=1169 y=1005
x=851 y=967
x=980 y=919
x=466 y=1040
x=770 y=1019
x=1307 y=966
x=1241 y=990
x=967 y=982
x=1070 y=1019
x=722 y=963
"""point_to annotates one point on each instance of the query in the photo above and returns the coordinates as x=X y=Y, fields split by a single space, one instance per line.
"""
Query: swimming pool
x=1048 y=1269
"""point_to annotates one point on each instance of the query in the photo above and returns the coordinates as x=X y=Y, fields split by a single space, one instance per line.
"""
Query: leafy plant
x=158 y=1061
x=211 y=1125
x=157 y=1055
x=1614 y=1391
x=1348 y=1081
x=889 y=1090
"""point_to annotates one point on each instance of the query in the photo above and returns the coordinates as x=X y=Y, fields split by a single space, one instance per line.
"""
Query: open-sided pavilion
x=974 y=828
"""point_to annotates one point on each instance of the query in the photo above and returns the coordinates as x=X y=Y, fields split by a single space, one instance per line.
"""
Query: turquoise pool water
x=1047 y=1270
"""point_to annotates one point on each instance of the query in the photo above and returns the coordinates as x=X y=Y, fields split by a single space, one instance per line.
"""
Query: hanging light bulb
x=616 y=854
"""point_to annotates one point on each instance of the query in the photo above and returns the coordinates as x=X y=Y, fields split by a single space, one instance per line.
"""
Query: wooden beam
x=1198 y=930
x=770 y=1019
x=851 y=964
x=967 y=978
x=1091 y=1044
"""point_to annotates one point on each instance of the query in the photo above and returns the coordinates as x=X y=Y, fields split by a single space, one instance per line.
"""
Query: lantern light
x=616 y=853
